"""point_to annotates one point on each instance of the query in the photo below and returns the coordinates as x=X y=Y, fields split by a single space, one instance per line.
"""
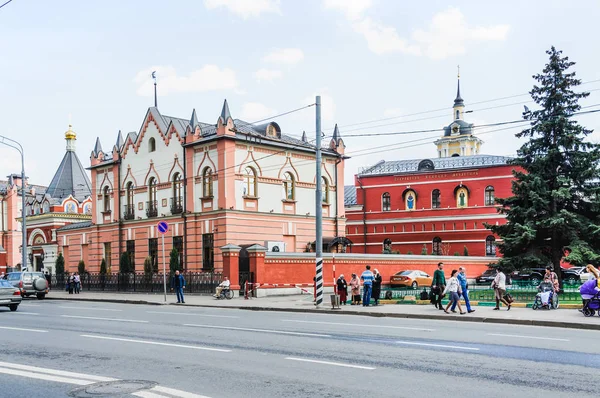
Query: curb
x=470 y=318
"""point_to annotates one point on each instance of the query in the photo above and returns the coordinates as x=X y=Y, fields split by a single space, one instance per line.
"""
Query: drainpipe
x=119 y=208
x=337 y=193
x=185 y=241
x=364 y=193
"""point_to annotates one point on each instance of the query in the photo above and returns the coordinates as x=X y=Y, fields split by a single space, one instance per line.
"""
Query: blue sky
x=90 y=62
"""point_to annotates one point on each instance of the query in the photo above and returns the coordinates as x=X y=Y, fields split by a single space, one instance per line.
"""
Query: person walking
x=462 y=280
x=178 y=283
x=376 y=286
x=453 y=288
x=70 y=283
x=355 y=289
x=367 y=278
x=438 y=285
x=499 y=286
x=77 y=280
x=342 y=289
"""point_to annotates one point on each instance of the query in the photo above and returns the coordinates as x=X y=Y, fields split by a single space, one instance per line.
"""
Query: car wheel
x=13 y=307
x=41 y=296
x=535 y=281
x=414 y=285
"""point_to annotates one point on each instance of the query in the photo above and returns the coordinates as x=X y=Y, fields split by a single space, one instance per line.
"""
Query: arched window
x=177 y=199
x=106 y=198
x=437 y=246
x=151 y=145
x=250 y=182
x=386 y=202
x=489 y=196
x=46 y=207
x=436 y=200
x=325 y=191
x=207 y=182
x=457 y=114
x=490 y=246
x=462 y=197
x=129 y=193
x=288 y=186
x=36 y=209
x=152 y=189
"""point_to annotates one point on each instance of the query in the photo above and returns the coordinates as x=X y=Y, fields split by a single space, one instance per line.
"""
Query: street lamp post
x=14 y=144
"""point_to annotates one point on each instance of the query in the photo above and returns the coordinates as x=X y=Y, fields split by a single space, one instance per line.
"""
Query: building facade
x=431 y=206
x=228 y=182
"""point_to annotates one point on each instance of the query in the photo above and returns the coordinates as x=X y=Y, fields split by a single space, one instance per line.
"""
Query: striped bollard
x=319 y=281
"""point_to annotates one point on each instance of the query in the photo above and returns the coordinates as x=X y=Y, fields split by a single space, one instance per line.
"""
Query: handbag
x=508 y=298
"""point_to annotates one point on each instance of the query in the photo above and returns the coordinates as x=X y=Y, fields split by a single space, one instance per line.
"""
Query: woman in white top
x=453 y=287
x=499 y=286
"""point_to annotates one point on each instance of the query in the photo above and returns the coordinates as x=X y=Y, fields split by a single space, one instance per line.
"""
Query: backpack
x=424 y=295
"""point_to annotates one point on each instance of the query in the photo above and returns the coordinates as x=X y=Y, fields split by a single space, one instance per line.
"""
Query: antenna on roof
x=155 y=99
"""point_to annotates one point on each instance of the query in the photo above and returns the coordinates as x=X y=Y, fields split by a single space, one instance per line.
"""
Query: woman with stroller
x=342 y=289
x=453 y=287
x=355 y=290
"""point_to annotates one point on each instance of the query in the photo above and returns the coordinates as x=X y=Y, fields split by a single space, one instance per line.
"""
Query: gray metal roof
x=465 y=128
x=77 y=225
x=450 y=163
x=349 y=195
x=70 y=179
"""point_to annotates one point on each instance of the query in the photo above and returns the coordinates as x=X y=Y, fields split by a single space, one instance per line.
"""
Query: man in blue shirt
x=178 y=283
x=462 y=279
x=367 y=278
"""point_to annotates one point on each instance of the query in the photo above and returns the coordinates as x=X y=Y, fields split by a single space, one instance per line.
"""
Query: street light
x=14 y=144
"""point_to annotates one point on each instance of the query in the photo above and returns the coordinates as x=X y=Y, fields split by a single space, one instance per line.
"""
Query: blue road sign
x=163 y=227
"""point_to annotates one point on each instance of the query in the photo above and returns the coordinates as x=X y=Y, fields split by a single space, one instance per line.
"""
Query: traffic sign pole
x=163 y=228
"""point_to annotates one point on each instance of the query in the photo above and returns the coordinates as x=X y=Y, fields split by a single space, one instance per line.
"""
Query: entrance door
x=39 y=264
x=244 y=268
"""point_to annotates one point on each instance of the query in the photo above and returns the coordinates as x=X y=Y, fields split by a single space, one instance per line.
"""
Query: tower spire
x=155 y=98
x=458 y=101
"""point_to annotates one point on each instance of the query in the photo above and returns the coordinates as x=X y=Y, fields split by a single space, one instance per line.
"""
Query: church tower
x=458 y=138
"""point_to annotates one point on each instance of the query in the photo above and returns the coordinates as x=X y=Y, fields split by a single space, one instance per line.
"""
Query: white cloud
x=268 y=74
x=288 y=56
x=383 y=39
x=327 y=106
x=253 y=111
x=245 y=8
x=448 y=34
x=353 y=9
x=208 y=78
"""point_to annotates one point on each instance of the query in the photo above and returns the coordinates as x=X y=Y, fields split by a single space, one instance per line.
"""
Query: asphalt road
x=57 y=348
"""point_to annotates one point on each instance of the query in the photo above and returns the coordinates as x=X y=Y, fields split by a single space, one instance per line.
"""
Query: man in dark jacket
x=178 y=283
x=438 y=285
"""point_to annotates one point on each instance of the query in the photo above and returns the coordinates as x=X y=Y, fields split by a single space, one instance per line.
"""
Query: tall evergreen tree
x=174 y=261
x=59 y=265
x=556 y=192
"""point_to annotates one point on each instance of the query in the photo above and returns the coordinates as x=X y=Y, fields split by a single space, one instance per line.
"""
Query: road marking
x=358 y=324
x=89 y=308
x=191 y=313
x=55 y=372
x=258 y=330
x=25 y=313
x=195 y=347
x=103 y=319
x=147 y=394
x=456 y=347
x=178 y=393
x=526 y=337
x=345 y=365
x=24 y=330
x=30 y=305
x=40 y=376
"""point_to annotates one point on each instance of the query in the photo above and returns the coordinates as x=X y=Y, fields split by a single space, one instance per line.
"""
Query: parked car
x=10 y=296
x=29 y=283
x=413 y=278
x=536 y=275
x=488 y=277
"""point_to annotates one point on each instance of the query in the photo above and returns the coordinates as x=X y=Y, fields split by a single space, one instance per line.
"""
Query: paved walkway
x=568 y=318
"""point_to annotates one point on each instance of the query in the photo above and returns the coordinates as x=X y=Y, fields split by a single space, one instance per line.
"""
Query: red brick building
x=435 y=205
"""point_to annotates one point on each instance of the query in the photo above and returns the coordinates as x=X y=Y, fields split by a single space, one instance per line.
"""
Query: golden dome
x=70 y=134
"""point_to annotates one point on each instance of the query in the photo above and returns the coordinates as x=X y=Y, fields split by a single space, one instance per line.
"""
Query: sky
x=380 y=66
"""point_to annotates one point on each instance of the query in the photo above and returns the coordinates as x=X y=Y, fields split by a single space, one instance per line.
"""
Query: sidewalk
x=565 y=318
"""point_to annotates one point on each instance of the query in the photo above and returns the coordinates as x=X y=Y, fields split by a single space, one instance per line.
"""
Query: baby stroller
x=591 y=298
x=546 y=297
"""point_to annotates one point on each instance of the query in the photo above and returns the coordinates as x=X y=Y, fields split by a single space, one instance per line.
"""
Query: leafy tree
x=81 y=267
x=174 y=261
x=103 y=269
x=409 y=252
x=59 y=265
x=148 y=266
x=556 y=192
x=465 y=251
x=424 y=250
x=457 y=254
x=125 y=263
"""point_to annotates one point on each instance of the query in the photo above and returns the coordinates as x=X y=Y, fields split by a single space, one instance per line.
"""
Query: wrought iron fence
x=195 y=282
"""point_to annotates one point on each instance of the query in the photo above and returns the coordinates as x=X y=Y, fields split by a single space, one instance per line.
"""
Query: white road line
x=190 y=313
x=455 y=347
x=89 y=308
x=30 y=305
x=40 y=376
x=194 y=347
x=258 y=330
x=25 y=313
x=148 y=394
x=24 y=330
x=53 y=372
x=526 y=337
x=345 y=365
x=361 y=325
x=177 y=393
x=103 y=319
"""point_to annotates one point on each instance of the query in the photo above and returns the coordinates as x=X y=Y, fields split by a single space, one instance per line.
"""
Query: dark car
x=536 y=275
x=488 y=277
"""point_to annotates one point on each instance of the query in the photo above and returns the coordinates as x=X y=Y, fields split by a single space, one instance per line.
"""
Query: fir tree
x=556 y=192
x=174 y=261
x=465 y=251
x=59 y=265
x=81 y=267
x=125 y=263
x=103 y=269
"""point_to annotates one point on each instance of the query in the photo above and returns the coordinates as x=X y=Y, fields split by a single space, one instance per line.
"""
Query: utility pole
x=319 y=210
